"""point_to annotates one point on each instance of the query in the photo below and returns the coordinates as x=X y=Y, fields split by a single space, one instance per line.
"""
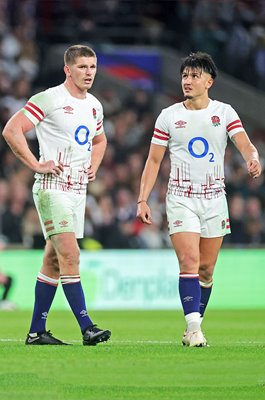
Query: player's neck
x=75 y=91
x=196 y=104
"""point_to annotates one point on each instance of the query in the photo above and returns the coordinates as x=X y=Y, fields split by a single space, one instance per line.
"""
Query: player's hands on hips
x=91 y=174
x=254 y=168
x=49 y=167
x=144 y=213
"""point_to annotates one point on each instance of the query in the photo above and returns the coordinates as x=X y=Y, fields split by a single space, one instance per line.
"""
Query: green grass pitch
x=143 y=360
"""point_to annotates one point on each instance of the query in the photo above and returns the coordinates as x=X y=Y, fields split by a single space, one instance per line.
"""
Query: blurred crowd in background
x=232 y=31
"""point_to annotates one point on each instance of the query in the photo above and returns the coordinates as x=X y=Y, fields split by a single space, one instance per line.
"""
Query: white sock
x=193 y=321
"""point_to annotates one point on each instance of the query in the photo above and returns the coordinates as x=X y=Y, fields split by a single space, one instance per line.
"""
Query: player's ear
x=67 y=71
x=209 y=83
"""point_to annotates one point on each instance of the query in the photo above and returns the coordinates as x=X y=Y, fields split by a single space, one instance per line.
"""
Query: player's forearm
x=245 y=146
x=249 y=153
x=148 y=179
x=98 y=151
x=18 y=144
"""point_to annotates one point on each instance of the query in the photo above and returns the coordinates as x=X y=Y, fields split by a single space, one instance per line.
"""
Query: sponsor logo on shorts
x=177 y=223
x=63 y=223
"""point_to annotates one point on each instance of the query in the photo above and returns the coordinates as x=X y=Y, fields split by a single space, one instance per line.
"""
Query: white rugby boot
x=186 y=338
x=194 y=339
x=197 y=339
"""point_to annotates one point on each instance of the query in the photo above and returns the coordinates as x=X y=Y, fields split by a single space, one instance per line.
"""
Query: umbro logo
x=187 y=299
x=68 y=110
x=181 y=124
x=63 y=223
x=177 y=223
x=44 y=315
x=83 y=313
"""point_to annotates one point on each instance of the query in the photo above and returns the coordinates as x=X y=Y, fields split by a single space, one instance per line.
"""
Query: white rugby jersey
x=65 y=127
x=196 y=140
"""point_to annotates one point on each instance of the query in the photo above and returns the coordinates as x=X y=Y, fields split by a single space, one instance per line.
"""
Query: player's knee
x=51 y=261
x=206 y=272
x=71 y=257
x=188 y=262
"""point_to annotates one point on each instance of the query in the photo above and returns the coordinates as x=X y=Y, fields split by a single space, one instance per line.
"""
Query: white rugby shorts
x=60 y=212
x=209 y=217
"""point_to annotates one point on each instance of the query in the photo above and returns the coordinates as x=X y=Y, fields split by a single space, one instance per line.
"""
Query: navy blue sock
x=45 y=290
x=206 y=289
x=75 y=296
x=190 y=292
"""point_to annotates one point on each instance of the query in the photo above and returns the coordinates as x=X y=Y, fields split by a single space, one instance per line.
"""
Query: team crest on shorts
x=223 y=224
x=215 y=120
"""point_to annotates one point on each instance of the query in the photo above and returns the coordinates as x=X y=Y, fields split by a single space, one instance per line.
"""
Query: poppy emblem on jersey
x=177 y=223
x=180 y=124
x=94 y=113
x=215 y=120
x=68 y=110
x=63 y=223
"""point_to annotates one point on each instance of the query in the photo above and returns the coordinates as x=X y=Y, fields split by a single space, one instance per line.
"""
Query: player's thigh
x=186 y=246
x=209 y=250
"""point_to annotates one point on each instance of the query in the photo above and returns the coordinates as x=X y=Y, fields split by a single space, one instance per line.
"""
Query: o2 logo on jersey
x=204 y=151
x=82 y=135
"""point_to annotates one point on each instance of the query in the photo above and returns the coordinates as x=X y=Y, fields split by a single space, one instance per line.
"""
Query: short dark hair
x=199 y=60
x=77 y=50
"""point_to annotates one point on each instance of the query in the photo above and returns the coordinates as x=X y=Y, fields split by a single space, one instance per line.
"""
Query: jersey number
x=82 y=135
x=205 y=149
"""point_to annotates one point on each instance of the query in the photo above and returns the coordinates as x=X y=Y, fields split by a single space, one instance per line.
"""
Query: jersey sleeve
x=161 y=133
x=37 y=107
x=233 y=122
x=100 y=117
